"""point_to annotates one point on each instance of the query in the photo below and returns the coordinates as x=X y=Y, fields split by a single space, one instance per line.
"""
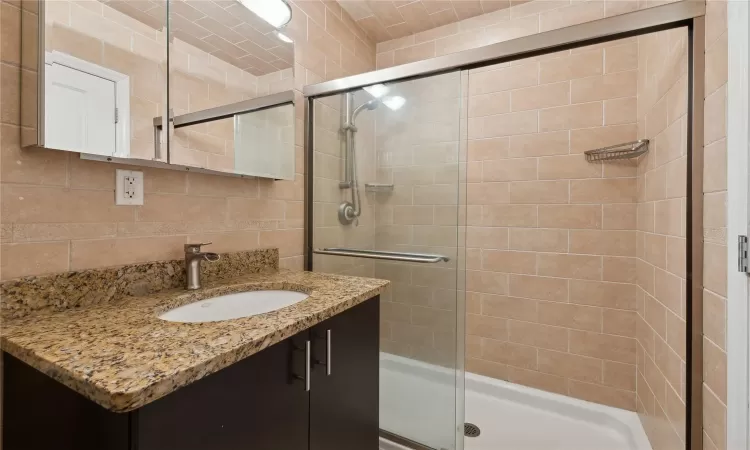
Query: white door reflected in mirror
x=86 y=107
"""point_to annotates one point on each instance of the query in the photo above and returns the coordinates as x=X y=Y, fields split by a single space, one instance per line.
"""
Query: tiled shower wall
x=551 y=240
x=58 y=211
x=329 y=162
x=662 y=209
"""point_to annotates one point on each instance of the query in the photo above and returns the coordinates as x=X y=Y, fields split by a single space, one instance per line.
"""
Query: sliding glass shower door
x=387 y=203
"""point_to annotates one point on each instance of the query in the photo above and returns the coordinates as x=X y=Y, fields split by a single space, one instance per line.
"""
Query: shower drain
x=471 y=430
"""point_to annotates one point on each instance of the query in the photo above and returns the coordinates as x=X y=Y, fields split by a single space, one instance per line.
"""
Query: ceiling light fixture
x=394 y=102
x=283 y=37
x=377 y=90
x=276 y=12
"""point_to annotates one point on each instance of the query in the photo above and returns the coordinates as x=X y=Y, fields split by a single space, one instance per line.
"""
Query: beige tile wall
x=58 y=213
x=551 y=240
x=715 y=232
x=661 y=264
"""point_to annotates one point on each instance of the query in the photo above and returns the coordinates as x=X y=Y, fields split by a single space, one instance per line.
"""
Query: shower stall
x=536 y=205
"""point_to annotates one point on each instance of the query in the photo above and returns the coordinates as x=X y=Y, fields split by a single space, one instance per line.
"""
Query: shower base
x=510 y=416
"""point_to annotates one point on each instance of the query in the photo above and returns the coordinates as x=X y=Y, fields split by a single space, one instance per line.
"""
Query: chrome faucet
x=193 y=258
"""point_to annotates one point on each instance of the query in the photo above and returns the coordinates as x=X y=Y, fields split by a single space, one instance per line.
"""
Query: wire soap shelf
x=620 y=151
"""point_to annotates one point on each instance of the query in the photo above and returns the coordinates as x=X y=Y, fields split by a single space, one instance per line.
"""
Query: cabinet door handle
x=327 y=361
x=308 y=351
x=329 y=343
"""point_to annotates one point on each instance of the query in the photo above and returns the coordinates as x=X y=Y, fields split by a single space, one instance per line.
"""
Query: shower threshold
x=390 y=441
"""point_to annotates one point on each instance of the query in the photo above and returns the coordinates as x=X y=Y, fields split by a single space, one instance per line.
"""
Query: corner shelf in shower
x=621 y=151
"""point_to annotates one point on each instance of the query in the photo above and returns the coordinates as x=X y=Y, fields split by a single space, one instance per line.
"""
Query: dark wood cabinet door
x=41 y=414
x=344 y=404
x=255 y=404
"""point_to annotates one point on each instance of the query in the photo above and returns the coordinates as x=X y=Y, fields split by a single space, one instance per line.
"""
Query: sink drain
x=471 y=430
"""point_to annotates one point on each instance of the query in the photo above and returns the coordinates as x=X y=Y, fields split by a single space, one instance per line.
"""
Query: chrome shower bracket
x=346 y=213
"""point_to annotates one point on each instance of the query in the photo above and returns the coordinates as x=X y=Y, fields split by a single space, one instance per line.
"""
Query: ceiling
x=223 y=28
x=385 y=19
x=227 y=30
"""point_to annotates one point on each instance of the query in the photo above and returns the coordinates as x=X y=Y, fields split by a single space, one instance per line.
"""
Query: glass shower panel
x=387 y=178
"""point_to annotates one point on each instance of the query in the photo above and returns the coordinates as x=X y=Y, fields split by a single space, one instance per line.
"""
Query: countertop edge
x=133 y=400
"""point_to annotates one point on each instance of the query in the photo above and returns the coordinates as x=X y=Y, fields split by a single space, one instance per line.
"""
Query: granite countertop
x=122 y=356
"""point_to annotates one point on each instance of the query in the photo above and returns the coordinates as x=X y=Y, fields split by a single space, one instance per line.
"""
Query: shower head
x=394 y=103
x=372 y=104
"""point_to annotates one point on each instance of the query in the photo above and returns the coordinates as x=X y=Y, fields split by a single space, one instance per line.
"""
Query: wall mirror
x=184 y=83
x=222 y=56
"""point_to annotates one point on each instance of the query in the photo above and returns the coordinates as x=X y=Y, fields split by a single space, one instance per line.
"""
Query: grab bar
x=389 y=256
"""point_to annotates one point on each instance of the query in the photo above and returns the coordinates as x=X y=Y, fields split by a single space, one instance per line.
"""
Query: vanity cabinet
x=256 y=400
x=259 y=403
x=344 y=400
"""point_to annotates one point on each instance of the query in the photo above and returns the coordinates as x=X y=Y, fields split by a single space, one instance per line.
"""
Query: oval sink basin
x=233 y=306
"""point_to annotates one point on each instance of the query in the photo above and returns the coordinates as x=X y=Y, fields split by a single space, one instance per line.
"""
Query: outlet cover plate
x=128 y=187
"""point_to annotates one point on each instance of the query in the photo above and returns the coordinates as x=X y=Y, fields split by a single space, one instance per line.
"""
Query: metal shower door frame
x=684 y=13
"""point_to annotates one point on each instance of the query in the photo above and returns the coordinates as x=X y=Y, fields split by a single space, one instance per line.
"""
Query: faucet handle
x=195 y=248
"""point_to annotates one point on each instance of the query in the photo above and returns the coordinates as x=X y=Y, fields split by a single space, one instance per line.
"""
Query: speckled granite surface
x=122 y=356
x=67 y=290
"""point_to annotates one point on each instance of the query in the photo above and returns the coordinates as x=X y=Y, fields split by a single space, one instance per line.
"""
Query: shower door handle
x=383 y=255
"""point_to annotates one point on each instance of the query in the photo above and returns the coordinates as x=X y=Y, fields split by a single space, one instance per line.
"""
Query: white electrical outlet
x=128 y=187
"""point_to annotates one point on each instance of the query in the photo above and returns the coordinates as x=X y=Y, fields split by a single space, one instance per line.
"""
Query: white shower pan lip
x=619 y=422
x=484 y=392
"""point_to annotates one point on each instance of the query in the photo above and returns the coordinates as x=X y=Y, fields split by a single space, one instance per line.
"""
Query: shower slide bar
x=382 y=255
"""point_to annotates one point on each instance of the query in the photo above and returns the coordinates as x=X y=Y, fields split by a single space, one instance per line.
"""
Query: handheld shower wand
x=349 y=212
